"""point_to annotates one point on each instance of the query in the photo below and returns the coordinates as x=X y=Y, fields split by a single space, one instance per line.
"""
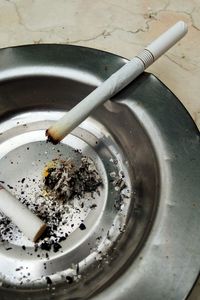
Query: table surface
x=121 y=27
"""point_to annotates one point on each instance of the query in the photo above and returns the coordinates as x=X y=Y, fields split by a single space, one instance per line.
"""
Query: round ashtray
x=136 y=238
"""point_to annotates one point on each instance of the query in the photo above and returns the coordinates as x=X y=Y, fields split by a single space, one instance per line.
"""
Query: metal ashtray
x=140 y=245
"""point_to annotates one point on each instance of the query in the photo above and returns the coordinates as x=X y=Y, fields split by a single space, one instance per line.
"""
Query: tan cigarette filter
x=21 y=216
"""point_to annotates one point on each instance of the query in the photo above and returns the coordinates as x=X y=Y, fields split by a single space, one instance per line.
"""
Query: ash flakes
x=120 y=186
x=82 y=226
x=48 y=280
x=64 y=181
x=69 y=279
x=65 y=192
x=8 y=230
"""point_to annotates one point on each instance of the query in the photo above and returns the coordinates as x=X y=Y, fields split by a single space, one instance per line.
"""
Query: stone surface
x=121 y=27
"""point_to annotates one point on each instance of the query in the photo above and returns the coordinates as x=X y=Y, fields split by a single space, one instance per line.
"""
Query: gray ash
x=10 y=186
x=6 y=230
x=65 y=188
x=48 y=279
x=69 y=279
x=9 y=248
x=120 y=186
x=82 y=226
x=56 y=247
x=65 y=181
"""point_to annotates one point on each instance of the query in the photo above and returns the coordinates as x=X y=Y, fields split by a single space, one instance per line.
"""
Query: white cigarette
x=116 y=82
x=20 y=215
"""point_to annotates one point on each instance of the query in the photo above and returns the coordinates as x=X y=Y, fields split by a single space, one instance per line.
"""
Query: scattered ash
x=64 y=189
x=48 y=279
x=78 y=151
x=10 y=186
x=7 y=230
x=82 y=226
x=64 y=181
x=120 y=186
x=69 y=279
x=93 y=206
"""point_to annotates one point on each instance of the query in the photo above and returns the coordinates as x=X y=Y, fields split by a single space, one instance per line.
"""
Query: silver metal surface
x=147 y=249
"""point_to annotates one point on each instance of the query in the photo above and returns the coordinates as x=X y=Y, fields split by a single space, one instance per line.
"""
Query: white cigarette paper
x=20 y=215
x=116 y=82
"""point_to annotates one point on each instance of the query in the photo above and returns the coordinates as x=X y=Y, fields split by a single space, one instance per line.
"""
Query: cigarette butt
x=21 y=216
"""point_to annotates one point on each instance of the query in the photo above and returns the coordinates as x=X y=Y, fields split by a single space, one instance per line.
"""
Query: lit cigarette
x=20 y=215
x=116 y=82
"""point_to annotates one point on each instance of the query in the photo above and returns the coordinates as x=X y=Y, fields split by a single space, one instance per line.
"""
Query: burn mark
x=51 y=139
